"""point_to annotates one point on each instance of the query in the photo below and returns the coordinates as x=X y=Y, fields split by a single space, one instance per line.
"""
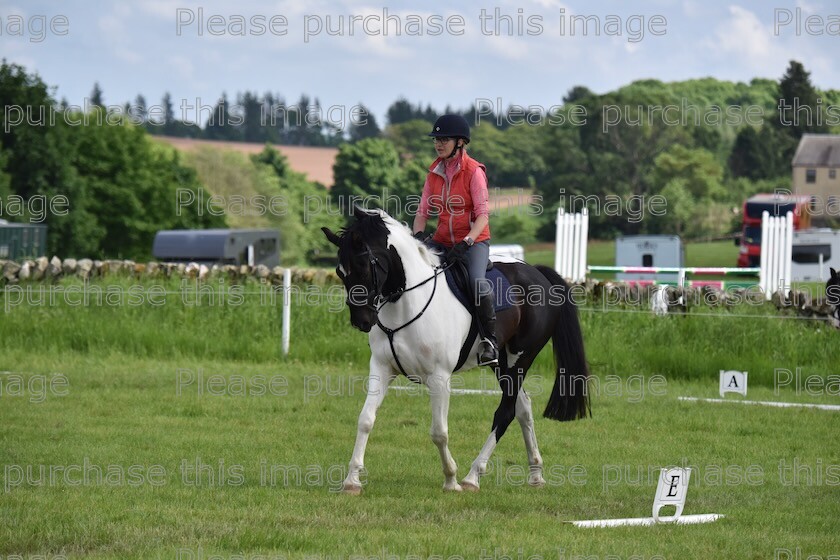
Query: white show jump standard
x=774 y=272
x=832 y=407
x=571 y=244
x=776 y=253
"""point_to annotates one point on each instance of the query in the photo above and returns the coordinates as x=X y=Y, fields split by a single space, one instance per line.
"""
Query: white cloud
x=132 y=47
x=161 y=9
x=746 y=39
x=808 y=8
x=509 y=48
x=553 y=4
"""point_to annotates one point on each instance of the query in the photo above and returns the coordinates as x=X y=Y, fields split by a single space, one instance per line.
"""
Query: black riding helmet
x=453 y=126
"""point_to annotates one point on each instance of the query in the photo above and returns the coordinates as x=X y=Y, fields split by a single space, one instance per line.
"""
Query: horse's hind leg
x=439 y=393
x=510 y=383
x=526 y=422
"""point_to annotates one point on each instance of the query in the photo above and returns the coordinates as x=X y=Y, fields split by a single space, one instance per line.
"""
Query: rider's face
x=444 y=146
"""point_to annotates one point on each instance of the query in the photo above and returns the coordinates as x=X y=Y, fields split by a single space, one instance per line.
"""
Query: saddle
x=458 y=280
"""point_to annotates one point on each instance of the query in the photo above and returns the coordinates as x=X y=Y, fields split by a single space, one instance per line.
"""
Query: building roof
x=818 y=150
x=779 y=198
x=8 y=224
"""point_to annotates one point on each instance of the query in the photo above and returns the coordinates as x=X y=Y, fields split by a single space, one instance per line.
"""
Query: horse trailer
x=219 y=246
x=660 y=251
x=22 y=241
x=813 y=252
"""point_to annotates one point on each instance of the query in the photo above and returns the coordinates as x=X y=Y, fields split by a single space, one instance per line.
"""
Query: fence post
x=287 y=307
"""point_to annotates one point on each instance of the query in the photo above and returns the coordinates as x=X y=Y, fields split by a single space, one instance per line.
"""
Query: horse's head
x=368 y=264
x=832 y=297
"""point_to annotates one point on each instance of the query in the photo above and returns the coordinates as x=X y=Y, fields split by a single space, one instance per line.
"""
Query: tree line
x=121 y=185
x=701 y=145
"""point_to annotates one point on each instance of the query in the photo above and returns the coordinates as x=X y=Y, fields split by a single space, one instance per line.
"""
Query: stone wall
x=43 y=269
x=604 y=293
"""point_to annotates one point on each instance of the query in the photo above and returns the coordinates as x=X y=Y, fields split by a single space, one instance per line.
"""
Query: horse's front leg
x=378 y=382
x=439 y=393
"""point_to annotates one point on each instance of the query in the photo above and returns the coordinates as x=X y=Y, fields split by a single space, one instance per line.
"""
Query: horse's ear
x=833 y=273
x=332 y=237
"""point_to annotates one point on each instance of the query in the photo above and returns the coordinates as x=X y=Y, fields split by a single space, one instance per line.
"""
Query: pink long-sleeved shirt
x=478 y=188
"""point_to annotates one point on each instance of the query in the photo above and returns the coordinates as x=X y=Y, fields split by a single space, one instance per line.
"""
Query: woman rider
x=456 y=192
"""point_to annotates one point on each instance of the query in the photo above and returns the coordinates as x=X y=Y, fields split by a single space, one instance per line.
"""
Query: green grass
x=243 y=322
x=124 y=409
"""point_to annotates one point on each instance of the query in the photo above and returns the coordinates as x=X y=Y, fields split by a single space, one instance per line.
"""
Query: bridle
x=378 y=296
x=379 y=300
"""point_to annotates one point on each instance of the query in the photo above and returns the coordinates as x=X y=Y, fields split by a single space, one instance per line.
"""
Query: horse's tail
x=569 y=399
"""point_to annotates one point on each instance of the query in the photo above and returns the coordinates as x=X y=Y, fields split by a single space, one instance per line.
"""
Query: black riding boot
x=488 y=349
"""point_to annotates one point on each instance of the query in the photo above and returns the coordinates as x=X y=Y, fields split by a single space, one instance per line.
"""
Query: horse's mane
x=383 y=226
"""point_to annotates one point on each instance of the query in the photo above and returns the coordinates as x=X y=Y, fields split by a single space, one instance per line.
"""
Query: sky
x=524 y=52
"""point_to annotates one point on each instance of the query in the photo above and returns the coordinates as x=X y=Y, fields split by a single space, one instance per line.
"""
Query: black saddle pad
x=502 y=296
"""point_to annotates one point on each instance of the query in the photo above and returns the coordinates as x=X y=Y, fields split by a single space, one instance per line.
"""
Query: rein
x=389 y=332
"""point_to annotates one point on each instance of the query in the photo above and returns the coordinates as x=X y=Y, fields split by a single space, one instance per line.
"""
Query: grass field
x=211 y=469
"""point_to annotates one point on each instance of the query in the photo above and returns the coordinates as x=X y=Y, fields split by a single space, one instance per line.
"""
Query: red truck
x=775 y=205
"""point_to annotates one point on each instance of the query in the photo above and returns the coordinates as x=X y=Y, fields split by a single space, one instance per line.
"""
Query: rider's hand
x=421 y=236
x=457 y=252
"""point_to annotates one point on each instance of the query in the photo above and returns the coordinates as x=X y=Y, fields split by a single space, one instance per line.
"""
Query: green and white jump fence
x=773 y=273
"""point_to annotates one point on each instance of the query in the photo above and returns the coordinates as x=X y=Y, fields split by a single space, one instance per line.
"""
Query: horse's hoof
x=452 y=488
x=469 y=486
x=537 y=483
x=352 y=489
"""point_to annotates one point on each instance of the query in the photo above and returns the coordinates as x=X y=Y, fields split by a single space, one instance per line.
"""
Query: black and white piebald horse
x=832 y=297
x=396 y=291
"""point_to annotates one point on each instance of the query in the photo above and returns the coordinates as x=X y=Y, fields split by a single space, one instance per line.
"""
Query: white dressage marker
x=671 y=491
x=833 y=407
x=733 y=382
